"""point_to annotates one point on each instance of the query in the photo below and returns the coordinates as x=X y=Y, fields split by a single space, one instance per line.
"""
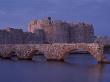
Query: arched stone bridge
x=55 y=51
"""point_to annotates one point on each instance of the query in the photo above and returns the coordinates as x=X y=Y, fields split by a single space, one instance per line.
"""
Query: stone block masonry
x=47 y=31
x=56 y=51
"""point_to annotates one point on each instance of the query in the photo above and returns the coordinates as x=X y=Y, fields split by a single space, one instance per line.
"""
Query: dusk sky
x=18 y=13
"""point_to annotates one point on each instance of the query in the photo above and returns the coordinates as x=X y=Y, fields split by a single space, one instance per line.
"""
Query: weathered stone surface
x=11 y=36
x=49 y=31
x=5 y=51
x=81 y=32
x=60 y=32
x=57 y=31
x=52 y=51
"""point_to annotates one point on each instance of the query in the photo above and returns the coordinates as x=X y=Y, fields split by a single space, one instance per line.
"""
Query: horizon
x=19 y=13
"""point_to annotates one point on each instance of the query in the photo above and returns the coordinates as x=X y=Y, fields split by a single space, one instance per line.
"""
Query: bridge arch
x=71 y=54
x=5 y=52
x=36 y=52
x=27 y=53
x=93 y=50
x=38 y=55
x=75 y=49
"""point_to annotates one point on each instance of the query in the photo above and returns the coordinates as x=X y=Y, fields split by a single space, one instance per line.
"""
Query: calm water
x=76 y=68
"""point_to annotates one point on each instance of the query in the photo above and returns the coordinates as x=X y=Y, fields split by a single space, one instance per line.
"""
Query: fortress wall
x=77 y=33
x=44 y=24
x=40 y=36
x=4 y=37
x=11 y=36
x=89 y=33
x=49 y=31
x=81 y=32
x=60 y=32
x=28 y=38
x=16 y=36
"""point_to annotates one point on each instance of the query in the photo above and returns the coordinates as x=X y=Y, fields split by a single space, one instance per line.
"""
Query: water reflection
x=76 y=68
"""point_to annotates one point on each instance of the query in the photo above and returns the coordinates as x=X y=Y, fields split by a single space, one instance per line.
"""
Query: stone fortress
x=54 y=38
x=47 y=31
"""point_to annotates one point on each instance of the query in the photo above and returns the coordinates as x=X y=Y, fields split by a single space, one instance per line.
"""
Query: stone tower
x=81 y=32
x=44 y=24
x=60 y=32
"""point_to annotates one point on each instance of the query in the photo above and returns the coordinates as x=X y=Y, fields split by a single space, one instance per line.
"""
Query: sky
x=18 y=13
